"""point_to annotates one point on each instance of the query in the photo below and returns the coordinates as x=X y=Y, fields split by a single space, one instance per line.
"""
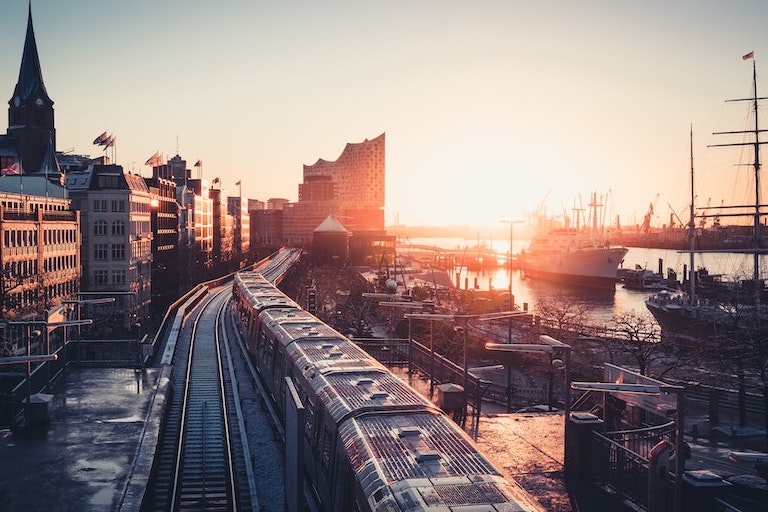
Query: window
x=118 y=276
x=325 y=457
x=100 y=205
x=99 y=277
x=109 y=181
x=118 y=251
x=118 y=227
x=100 y=251
x=100 y=227
x=118 y=206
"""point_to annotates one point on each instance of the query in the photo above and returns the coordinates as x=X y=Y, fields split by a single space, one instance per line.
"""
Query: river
x=601 y=306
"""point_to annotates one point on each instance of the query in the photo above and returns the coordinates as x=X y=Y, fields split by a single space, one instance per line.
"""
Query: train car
x=252 y=293
x=420 y=462
x=371 y=442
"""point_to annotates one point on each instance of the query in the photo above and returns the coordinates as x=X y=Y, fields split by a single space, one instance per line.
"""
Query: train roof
x=425 y=462
x=359 y=392
x=287 y=325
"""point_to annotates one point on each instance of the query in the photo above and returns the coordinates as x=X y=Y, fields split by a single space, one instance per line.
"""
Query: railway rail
x=198 y=460
x=203 y=459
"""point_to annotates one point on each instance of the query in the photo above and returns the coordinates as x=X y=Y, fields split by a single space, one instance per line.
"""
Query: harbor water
x=600 y=306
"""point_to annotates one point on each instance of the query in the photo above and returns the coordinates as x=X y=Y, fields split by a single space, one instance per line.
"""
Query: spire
x=30 y=76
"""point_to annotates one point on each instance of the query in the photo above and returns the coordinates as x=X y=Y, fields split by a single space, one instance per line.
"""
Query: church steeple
x=30 y=112
x=30 y=84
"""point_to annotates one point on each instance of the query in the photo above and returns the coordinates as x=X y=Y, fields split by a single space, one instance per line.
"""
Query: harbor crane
x=646 y=226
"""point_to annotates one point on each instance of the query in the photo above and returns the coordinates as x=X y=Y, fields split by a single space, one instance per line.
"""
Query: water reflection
x=601 y=306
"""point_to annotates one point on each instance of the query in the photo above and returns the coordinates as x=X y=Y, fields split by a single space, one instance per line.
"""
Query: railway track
x=201 y=461
x=219 y=429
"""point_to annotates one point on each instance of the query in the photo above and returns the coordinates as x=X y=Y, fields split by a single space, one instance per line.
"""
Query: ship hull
x=593 y=267
x=680 y=319
x=677 y=314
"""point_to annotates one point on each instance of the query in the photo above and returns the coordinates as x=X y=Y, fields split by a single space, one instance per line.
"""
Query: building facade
x=223 y=231
x=164 y=222
x=238 y=210
x=116 y=255
x=351 y=189
x=40 y=256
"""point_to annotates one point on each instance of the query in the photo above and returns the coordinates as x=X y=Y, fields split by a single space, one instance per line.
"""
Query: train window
x=325 y=456
x=309 y=420
x=269 y=349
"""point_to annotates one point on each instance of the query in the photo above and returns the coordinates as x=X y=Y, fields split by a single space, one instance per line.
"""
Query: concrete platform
x=82 y=460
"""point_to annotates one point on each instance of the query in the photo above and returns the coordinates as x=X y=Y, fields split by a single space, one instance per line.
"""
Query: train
x=370 y=442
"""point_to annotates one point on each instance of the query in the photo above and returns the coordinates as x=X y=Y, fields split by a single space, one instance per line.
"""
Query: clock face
x=17 y=101
x=39 y=102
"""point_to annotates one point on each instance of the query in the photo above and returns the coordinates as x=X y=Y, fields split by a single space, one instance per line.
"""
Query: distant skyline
x=490 y=108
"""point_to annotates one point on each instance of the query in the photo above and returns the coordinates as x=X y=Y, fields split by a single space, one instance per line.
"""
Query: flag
x=750 y=55
x=100 y=139
x=199 y=163
x=215 y=180
x=154 y=160
x=109 y=142
x=237 y=182
x=11 y=170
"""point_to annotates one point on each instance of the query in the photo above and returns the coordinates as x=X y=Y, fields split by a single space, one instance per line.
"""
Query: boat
x=640 y=278
x=572 y=255
x=709 y=305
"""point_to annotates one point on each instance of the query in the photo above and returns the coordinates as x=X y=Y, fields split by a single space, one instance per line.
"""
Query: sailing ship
x=726 y=307
x=572 y=255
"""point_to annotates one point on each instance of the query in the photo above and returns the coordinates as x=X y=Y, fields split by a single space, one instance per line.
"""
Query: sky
x=491 y=109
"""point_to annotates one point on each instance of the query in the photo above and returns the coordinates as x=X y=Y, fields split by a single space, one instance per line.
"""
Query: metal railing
x=620 y=469
x=617 y=462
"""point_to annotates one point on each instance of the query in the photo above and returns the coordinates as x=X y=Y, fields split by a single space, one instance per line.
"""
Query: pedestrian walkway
x=83 y=459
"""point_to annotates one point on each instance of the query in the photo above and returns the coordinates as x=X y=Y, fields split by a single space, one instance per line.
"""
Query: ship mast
x=757 y=240
x=692 y=233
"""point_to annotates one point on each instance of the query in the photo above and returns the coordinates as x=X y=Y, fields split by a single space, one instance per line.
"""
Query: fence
x=618 y=462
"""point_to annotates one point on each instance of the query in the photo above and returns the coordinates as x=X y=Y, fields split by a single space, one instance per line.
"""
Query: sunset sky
x=489 y=107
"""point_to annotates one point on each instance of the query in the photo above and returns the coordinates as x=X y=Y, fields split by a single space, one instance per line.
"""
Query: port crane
x=646 y=227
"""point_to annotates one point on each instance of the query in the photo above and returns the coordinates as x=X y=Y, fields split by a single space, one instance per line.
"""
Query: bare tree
x=640 y=338
x=564 y=315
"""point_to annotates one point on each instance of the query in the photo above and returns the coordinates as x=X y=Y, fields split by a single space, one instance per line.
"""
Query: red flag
x=11 y=170
x=154 y=160
x=100 y=139
x=237 y=182
x=750 y=55
x=199 y=163
x=215 y=180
